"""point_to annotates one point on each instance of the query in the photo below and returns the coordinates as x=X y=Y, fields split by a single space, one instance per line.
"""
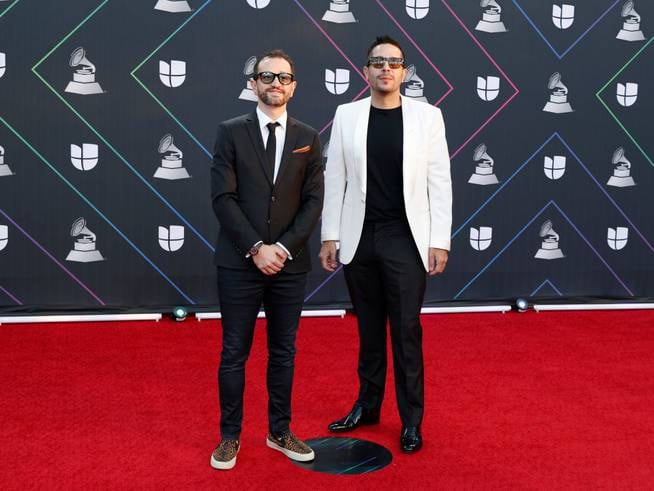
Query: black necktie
x=271 y=147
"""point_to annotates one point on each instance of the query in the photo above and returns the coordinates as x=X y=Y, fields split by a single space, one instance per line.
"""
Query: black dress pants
x=242 y=292
x=386 y=280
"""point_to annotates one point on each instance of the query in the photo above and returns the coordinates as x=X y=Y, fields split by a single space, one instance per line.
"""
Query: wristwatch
x=254 y=250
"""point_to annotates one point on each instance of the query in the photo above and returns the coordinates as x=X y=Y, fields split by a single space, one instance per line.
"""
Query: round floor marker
x=336 y=455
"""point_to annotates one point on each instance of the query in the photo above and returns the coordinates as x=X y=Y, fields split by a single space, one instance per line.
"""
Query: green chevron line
x=617 y=120
x=9 y=7
x=154 y=97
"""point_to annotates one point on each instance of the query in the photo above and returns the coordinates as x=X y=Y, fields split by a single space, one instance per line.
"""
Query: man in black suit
x=267 y=193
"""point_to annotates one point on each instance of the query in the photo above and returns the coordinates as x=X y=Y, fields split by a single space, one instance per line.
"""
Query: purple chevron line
x=355 y=98
x=10 y=295
x=54 y=259
x=415 y=45
x=492 y=60
x=543 y=284
x=327 y=280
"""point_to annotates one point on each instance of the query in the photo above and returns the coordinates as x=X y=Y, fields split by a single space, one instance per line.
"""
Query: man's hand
x=437 y=261
x=328 y=255
x=268 y=260
x=280 y=252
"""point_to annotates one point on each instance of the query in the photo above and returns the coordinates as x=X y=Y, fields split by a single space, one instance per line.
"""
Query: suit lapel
x=289 y=145
x=408 y=145
x=361 y=146
x=257 y=144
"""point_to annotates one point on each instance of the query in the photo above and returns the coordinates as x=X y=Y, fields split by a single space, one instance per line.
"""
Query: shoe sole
x=298 y=457
x=345 y=430
x=223 y=466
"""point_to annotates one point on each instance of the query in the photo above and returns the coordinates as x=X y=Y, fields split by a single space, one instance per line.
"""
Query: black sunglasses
x=268 y=77
x=379 y=61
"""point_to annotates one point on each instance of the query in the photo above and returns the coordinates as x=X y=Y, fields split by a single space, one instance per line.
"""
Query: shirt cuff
x=285 y=250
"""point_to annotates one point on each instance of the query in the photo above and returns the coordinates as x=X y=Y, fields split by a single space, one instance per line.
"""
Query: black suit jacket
x=250 y=208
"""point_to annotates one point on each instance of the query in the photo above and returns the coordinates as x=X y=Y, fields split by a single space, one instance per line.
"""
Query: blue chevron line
x=96 y=209
x=515 y=237
x=104 y=140
x=543 y=284
x=583 y=35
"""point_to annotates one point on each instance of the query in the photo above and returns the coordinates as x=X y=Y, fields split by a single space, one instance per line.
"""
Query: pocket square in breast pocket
x=304 y=149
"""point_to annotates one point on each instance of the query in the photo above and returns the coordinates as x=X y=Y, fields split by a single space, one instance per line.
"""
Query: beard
x=268 y=98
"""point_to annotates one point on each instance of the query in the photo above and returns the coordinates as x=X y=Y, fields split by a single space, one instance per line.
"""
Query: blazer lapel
x=360 y=144
x=409 y=123
x=257 y=144
x=289 y=145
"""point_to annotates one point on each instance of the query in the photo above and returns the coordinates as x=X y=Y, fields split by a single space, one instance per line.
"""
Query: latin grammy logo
x=558 y=102
x=563 y=15
x=621 y=177
x=549 y=248
x=247 y=94
x=491 y=19
x=337 y=82
x=4 y=236
x=414 y=86
x=481 y=238
x=83 y=82
x=171 y=167
x=84 y=249
x=84 y=158
x=631 y=25
x=171 y=238
x=173 y=6
x=483 y=174
x=488 y=88
x=554 y=167
x=4 y=167
x=617 y=237
x=339 y=12
x=417 y=9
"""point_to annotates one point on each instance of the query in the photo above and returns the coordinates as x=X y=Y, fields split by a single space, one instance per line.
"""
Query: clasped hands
x=270 y=259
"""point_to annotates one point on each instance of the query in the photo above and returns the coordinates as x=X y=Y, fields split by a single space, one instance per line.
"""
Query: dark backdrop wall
x=547 y=207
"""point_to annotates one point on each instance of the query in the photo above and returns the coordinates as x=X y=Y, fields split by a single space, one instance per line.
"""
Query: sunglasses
x=379 y=61
x=268 y=77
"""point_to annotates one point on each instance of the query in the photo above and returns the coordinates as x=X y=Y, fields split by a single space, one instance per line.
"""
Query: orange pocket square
x=304 y=149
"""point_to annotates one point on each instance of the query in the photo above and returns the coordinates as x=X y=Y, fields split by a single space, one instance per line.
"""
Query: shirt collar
x=264 y=119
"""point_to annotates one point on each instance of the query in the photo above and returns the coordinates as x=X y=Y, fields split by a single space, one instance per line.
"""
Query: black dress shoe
x=411 y=439
x=356 y=417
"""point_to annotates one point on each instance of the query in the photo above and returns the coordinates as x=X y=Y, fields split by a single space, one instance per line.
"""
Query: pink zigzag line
x=515 y=88
x=355 y=98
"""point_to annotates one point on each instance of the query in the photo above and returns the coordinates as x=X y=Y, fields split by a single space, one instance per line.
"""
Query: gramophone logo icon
x=4 y=236
x=83 y=82
x=414 y=86
x=491 y=20
x=247 y=94
x=549 y=248
x=84 y=158
x=417 y=9
x=171 y=167
x=621 y=177
x=339 y=12
x=84 y=250
x=480 y=239
x=173 y=6
x=631 y=25
x=558 y=102
x=563 y=15
x=483 y=174
x=488 y=88
x=3 y=63
x=337 y=82
x=4 y=167
x=171 y=238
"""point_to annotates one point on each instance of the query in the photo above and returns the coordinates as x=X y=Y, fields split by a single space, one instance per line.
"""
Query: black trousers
x=386 y=280
x=242 y=292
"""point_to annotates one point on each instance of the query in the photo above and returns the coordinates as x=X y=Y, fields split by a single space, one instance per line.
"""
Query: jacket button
x=273 y=199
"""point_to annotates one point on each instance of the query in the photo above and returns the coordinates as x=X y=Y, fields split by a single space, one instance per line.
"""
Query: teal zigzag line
x=9 y=7
x=617 y=120
x=101 y=137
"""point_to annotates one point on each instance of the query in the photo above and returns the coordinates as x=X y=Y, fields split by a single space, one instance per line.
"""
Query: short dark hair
x=385 y=39
x=274 y=53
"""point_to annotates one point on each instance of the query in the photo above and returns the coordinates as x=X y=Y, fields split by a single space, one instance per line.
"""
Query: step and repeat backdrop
x=108 y=113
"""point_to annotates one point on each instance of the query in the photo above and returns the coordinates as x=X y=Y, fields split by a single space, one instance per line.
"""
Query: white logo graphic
x=84 y=250
x=563 y=15
x=491 y=19
x=337 y=82
x=171 y=238
x=339 y=12
x=483 y=174
x=414 y=87
x=549 y=248
x=3 y=63
x=631 y=25
x=617 y=237
x=173 y=74
x=4 y=168
x=621 y=177
x=417 y=9
x=247 y=94
x=558 y=102
x=4 y=236
x=173 y=6
x=83 y=82
x=488 y=88
x=480 y=239
x=171 y=167
x=258 y=4
x=627 y=94
x=85 y=157
x=554 y=167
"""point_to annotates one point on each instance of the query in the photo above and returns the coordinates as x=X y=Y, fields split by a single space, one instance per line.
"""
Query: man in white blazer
x=388 y=212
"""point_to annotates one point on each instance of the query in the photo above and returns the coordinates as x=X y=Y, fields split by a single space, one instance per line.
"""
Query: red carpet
x=515 y=401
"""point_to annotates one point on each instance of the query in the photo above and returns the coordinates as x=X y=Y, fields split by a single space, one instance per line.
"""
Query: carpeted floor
x=513 y=401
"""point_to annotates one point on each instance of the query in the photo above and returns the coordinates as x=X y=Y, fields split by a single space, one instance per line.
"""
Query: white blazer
x=426 y=176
